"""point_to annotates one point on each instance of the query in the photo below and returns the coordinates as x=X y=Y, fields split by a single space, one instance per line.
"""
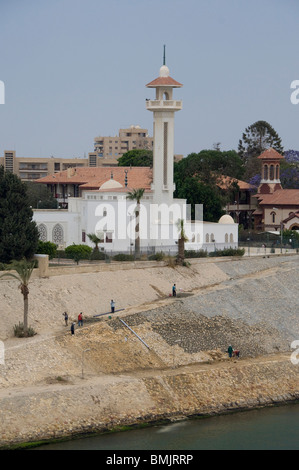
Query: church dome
x=111 y=184
x=226 y=219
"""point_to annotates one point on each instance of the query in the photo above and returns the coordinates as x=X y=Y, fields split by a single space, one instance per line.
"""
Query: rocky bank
x=55 y=384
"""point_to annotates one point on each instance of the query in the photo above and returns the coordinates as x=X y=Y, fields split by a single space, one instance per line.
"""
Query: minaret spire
x=164 y=56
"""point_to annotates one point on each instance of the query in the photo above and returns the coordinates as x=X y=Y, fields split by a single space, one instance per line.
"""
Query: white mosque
x=95 y=199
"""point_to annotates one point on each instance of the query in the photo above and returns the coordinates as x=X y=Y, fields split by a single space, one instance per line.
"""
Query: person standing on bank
x=174 y=290
x=112 y=303
x=66 y=317
x=80 y=319
x=73 y=328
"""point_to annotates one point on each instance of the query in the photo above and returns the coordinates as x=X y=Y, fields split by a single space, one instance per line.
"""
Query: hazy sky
x=76 y=69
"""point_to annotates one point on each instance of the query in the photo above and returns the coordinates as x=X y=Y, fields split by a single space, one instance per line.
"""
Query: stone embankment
x=55 y=385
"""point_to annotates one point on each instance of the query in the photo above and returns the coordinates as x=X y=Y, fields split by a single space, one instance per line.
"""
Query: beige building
x=278 y=208
x=33 y=168
x=107 y=150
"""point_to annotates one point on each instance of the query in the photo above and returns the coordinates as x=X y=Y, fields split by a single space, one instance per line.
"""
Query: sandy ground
x=91 y=293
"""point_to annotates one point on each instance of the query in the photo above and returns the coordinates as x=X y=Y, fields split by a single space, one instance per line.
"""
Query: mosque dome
x=226 y=219
x=111 y=184
x=164 y=71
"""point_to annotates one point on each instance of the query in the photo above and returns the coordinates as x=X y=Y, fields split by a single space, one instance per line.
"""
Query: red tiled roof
x=164 y=81
x=286 y=197
x=93 y=178
x=270 y=154
x=226 y=182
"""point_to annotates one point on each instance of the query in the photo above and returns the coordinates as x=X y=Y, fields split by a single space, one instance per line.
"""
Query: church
x=278 y=208
x=95 y=200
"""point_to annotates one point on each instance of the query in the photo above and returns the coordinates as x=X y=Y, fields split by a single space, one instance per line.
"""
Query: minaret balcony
x=164 y=105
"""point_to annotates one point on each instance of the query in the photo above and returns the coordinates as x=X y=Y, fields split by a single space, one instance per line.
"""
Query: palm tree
x=94 y=239
x=181 y=241
x=136 y=195
x=24 y=270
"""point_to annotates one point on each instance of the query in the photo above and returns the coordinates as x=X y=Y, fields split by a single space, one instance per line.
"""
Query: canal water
x=265 y=429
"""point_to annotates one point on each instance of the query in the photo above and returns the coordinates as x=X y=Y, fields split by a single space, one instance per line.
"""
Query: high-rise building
x=107 y=150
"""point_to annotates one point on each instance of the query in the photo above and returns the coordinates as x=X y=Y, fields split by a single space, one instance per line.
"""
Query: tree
x=181 y=241
x=255 y=140
x=136 y=195
x=210 y=165
x=39 y=196
x=94 y=239
x=196 y=192
x=77 y=252
x=18 y=232
x=47 y=248
x=24 y=270
x=137 y=157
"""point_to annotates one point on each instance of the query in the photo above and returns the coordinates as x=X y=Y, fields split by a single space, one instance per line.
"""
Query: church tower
x=163 y=107
x=270 y=181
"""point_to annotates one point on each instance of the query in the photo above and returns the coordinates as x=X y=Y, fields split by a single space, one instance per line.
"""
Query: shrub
x=78 y=252
x=228 y=252
x=123 y=257
x=47 y=248
x=157 y=256
x=98 y=255
x=19 y=331
x=196 y=254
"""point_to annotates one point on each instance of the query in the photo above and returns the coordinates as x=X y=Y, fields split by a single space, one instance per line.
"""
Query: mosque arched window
x=57 y=234
x=42 y=232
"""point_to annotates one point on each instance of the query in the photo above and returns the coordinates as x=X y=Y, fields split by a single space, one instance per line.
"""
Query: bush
x=98 y=255
x=47 y=248
x=123 y=257
x=228 y=252
x=19 y=331
x=196 y=254
x=157 y=256
x=78 y=252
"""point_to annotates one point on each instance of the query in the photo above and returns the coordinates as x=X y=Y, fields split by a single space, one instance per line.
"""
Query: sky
x=77 y=69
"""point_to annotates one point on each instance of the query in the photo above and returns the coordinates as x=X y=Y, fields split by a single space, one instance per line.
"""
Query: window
x=265 y=172
x=207 y=238
x=271 y=172
x=42 y=232
x=226 y=238
x=231 y=238
x=108 y=237
x=57 y=234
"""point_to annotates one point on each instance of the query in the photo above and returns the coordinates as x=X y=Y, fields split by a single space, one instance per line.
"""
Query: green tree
x=39 y=196
x=136 y=195
x=47 y=248
x=78 y=252
x=18 y=232
x=210 y=165
x=94 y=239
x=23 y=271
x=196 y=192
x=255 y=140
x=137 y=157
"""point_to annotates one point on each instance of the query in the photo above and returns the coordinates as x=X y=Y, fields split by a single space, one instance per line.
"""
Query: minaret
x=163 y=107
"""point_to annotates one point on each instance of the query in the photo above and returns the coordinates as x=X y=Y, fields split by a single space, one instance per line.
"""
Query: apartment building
x=107 y=150
x=33 y=168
